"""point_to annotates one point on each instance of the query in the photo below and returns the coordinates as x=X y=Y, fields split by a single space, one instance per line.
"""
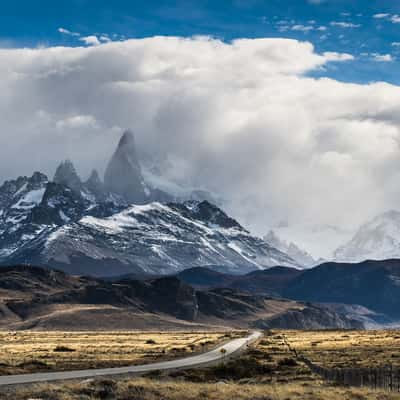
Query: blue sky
x=369 y=30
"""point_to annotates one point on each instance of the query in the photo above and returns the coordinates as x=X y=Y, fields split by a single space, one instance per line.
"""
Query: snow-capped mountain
x=378 y=239
x=290 y=248
x=154 y=238
x=31 y=207
x=87 y=228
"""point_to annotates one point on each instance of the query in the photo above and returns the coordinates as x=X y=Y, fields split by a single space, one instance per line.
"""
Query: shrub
x=244 y=367
x=63 y=349
x=287 y=362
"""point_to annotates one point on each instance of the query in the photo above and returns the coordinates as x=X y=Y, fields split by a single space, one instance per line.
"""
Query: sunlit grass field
x=269 y=370
x=342 y=349
x=30 y=351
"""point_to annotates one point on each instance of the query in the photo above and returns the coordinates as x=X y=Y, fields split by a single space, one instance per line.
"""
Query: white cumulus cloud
x=242 y=119
x=91 y=40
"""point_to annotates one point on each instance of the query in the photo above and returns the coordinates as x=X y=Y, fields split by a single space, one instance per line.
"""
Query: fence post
x=391 y=377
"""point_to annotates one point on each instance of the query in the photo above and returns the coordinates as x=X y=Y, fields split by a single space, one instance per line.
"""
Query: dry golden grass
x=145 y=389
x=347 y=348
x=268 y=371
x=31 y=351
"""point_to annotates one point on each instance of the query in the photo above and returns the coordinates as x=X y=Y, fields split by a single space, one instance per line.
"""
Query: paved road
x=233 y=348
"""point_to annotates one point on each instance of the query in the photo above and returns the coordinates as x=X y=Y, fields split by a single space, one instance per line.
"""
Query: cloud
x=342 y=24
x=302 y=28
x=242 y=119
x=394 y=18
x=382 y=57
x=333 y=56
x=381 y=15
x=104 y=38
x=68 y=32
x=91 y=40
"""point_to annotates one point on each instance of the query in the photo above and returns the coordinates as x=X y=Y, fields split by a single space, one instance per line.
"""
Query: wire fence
x=386 y=378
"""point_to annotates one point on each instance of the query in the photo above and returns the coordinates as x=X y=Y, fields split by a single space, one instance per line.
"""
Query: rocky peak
x=123 y=175
x=66 y=175
x=38 y=178
x=208 y=213
x=95 y=185
x=60 y=204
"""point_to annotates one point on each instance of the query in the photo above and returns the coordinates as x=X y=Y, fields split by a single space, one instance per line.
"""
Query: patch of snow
x=112 y=225
x=241 y=252
x=64 y=217
x=88 y=196
x=20 y=190
x=30 y=199
x=56 y=235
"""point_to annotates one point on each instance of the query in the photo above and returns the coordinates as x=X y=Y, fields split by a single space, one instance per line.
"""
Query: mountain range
x=377 y=239
x=44 y=299
x=372 y=285
x=121 y=225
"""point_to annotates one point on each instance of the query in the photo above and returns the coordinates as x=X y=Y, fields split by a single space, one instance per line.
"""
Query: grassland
x=342 y=349
x=30 y=351
x=145 y=389
x=268 y=371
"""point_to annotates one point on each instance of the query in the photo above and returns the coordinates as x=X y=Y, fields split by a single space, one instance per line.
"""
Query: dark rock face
x=207 y=213
x=66 y=175
x=123 y=175
x=96 y=186
x=59 y=205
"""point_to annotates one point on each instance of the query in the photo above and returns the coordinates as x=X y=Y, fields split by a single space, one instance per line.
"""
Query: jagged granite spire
x=94 y=184
x=123 y=175
x=66 y=175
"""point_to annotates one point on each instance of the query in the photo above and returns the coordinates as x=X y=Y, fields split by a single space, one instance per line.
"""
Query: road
x=232 y=349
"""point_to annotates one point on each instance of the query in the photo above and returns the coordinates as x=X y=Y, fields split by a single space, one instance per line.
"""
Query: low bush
x=63 y=349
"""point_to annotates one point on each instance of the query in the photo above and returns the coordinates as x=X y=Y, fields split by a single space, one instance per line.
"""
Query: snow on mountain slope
x=378 y=239
x=90 y=228
x=156 y=238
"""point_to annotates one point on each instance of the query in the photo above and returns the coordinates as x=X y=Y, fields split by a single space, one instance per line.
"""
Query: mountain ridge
x=377 y=239
x=44 y=299
x=93 y=227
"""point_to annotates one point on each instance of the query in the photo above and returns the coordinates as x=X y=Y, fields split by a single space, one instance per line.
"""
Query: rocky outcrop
x=66 y=175
x=95 y=186
x=123 y=175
